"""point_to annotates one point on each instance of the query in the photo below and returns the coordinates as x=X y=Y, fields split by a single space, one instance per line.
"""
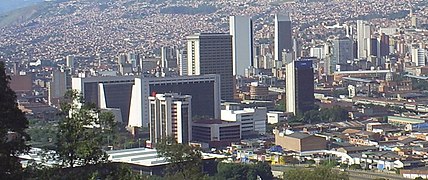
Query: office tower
x=132 y=59
x=182 y=62
x=204 y=89
x=170 y=116
x=283 y=35
x=57 y=87
x=69 y=63
x=384 y=45
x=15 y=68
x=164 y=60
x=107 y=92
x=414 y=21
x=211 y=53
x=341 y=53
x=419 y=56
x=299 y=86
x=241 y=29
x=363 y=33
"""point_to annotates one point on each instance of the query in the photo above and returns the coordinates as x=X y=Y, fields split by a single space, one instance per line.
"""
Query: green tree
x=82 y=131
x=12 y=130
x=264 y=170
x=185 y=162
x=235 y=171
x=355 y=166
x=320 y=172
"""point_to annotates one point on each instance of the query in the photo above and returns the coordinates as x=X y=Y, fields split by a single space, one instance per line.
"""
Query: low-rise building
x=216 y=133
x=274 y=117
x=300 y=141
x=253 y=120
x=404 y=120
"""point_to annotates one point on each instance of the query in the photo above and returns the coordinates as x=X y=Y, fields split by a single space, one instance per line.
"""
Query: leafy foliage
x=185 y=162
x=12 y=130
x=82 y=131
x=320 y=172
x=336 y=113
x=244 y=171
x=107 y=171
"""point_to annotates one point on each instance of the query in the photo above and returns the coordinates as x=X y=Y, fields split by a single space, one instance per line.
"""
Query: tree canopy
x=82 y=131
x=320 y=172
x=12 y=130
x=244 y=171
x=333 y=114
x=185 y=162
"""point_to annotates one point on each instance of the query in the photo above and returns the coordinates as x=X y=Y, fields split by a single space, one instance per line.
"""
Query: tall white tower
x=241 y=29
x=363 y=34
x=419 y=56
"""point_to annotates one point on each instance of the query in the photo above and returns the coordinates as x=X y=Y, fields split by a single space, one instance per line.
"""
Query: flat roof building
x=216 y=133
x=300 y=142
x=204 y=89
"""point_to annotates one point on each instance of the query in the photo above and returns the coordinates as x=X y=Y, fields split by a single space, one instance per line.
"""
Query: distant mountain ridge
x=10 y=5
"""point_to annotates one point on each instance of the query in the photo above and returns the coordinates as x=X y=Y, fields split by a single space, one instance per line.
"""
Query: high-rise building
x=384 y=45
x=241 y=29
x=170 y=116
x=57 y=87
x=211 y=53
x=204 y=89
x=419 y=56
x=182 y=62
x=283 y=35
x=363 y=33
x=342 y=52
x=299 y=86
x=69 y=62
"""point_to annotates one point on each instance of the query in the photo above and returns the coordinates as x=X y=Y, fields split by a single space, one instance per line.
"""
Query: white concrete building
x=419 y=56
x=253 y=120
x=363 y=33
x=274 y=117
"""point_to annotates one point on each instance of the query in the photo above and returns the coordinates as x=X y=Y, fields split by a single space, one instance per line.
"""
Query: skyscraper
x=299 y=86
x=384 y=45
x=419 y=56
x=211 y=53
x=182 y=62
x=57 y=87
x=170 y=115
x=69 y=63
x=283 y=38
x=363 y=33
x=342 y=52
x=241 y=29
